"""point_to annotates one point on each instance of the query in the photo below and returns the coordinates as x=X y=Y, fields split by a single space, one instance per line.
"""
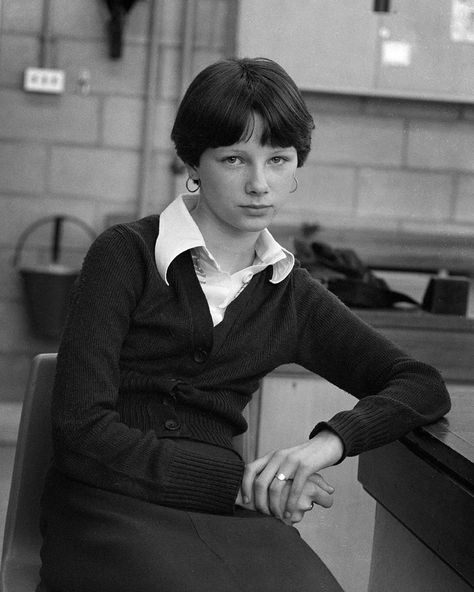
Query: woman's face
x=243 y=185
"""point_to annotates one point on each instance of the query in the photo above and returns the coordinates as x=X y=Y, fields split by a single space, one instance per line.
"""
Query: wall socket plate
x=44 y=80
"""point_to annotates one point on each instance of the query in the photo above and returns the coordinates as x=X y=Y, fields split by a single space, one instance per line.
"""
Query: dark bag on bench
x=347 y=277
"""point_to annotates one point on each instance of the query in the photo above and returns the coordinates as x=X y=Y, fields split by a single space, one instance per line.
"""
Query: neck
x=232 y=256
x=232 y=261
x=232 y=250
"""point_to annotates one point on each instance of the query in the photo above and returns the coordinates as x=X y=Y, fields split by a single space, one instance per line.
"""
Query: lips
x=257 y=211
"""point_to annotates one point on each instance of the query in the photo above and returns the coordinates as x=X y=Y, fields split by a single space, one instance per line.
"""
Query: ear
x=192 y=172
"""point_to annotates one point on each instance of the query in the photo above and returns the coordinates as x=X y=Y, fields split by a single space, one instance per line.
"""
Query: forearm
x=396 y=393
x=413 y=395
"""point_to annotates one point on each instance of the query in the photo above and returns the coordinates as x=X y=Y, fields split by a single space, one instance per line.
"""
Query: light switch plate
x=44 y=80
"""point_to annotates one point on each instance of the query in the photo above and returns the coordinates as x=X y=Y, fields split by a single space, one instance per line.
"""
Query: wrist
x=332 y=443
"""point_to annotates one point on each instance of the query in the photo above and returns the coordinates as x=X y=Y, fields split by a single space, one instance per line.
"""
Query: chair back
x=22 y=539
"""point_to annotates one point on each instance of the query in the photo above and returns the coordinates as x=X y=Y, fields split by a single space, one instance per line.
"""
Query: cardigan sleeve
x=396 y=392
x=91 y=443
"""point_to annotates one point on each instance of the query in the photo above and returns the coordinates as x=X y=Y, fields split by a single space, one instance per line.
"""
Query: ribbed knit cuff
x=198 y=483
x=364 y=429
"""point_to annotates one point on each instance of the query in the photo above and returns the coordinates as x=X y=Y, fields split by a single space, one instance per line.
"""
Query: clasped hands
x=286 y=483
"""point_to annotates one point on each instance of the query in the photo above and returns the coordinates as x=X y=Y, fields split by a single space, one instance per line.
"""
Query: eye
x=232 y=160
x=278 y=159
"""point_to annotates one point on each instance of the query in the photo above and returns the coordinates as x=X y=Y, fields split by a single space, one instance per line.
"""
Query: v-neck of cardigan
x=205 y=335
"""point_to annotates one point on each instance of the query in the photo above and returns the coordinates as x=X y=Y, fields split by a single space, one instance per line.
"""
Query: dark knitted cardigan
x=141 y=365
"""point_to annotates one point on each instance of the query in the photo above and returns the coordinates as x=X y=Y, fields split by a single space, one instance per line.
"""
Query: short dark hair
x=218 y=107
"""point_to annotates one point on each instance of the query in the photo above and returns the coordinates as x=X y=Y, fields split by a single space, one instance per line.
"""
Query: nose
x=257 y=183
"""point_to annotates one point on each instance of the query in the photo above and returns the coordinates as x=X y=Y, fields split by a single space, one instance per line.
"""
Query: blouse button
x=172 y=424
x=200 y=355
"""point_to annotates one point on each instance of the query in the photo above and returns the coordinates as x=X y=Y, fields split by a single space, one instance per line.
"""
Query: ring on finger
x=281 y=477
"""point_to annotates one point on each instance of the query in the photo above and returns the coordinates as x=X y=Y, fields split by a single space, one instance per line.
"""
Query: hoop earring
x=296 y=185
x=197 y=182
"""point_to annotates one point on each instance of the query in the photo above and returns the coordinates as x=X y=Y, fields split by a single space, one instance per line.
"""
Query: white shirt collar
x=270 y=252
x=179 y=233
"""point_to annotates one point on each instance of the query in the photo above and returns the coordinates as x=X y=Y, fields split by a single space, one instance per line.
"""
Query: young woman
x=174 y=321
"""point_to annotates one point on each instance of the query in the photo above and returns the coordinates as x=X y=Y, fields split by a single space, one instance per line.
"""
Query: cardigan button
x=172 y=425
x=200 y=355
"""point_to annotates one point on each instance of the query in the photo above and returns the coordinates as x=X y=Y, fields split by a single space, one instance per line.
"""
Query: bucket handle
x=56 y=237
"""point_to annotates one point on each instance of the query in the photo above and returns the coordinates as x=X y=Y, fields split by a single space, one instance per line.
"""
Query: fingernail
x=287 y=514
x=246 y=499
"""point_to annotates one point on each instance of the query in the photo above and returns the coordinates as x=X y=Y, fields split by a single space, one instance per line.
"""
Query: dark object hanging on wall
x=116 y=25
x=46 y=287
x=381 y=6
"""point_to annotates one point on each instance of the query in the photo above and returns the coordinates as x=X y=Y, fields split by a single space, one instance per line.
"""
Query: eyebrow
x=243 y=151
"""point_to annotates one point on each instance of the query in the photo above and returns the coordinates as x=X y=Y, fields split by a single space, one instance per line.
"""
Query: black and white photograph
x=236 y=295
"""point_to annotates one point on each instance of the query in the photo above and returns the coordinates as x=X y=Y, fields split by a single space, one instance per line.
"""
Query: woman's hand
x=315 y=491
x=274 y=483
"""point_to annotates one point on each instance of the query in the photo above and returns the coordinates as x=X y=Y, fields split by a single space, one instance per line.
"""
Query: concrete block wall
x=404 y=166
x=81 y=153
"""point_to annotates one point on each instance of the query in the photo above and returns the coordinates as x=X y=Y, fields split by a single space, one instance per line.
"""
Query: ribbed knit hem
x=205 y=427
x=201 y=483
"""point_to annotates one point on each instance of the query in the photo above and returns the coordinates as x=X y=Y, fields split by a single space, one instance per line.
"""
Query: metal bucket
x=46 y=287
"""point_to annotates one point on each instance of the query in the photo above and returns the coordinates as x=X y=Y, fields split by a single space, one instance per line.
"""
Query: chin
x=255 y=225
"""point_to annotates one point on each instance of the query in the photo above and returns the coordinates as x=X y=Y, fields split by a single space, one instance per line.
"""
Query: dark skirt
x=99 y=541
